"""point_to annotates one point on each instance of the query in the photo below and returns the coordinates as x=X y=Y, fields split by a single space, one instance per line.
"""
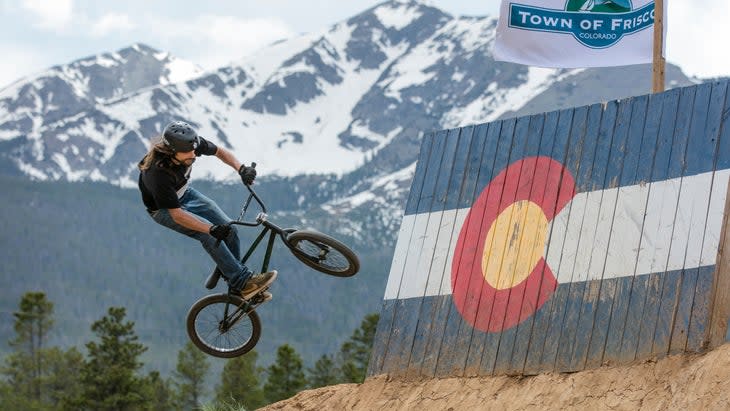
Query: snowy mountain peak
x=398 y=14
x=353 y=99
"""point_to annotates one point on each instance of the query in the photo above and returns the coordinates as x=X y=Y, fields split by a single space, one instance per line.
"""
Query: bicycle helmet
x=179 y=136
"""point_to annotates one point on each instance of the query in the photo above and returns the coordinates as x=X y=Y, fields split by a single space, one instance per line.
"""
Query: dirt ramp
x=682 y=382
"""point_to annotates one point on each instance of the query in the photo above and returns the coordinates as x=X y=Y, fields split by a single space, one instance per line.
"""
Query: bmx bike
x=226 y=325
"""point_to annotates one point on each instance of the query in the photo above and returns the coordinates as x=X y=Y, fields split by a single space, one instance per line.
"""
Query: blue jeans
x=228 y=254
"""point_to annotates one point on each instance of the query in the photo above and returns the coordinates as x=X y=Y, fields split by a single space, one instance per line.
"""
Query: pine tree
x=159 y=392
x=241 y=383
x=61 y=380
x=189 y=378
x=37 y=376
x=33 y=320
x=286 y=375
x=324 y=373
x=355 y=352
x=109 y=376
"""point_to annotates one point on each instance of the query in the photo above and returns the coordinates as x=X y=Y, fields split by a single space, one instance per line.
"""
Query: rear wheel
x=323 y=253
x=218 y=326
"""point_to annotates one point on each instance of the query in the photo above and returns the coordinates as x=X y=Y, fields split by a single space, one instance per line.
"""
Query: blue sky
x=36 y=34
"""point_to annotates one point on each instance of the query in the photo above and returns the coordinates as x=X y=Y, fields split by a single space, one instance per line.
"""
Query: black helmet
x=179 y=136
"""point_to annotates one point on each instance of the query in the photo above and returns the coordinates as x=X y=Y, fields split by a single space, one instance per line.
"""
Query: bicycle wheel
x=323 y=253
x=221 y=335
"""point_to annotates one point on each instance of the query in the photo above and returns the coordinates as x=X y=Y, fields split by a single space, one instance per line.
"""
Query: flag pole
x=659 y=63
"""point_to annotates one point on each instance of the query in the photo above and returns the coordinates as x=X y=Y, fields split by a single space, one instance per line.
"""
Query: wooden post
x=720 y=302
x=659 y=61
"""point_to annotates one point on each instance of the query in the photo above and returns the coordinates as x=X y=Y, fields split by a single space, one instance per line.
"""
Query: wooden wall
x=563 y=241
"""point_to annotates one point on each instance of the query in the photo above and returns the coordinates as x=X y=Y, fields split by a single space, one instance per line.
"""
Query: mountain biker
x=171 y=202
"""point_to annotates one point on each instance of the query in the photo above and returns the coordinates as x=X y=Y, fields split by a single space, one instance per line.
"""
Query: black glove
x=248 y=174
x=220 y=232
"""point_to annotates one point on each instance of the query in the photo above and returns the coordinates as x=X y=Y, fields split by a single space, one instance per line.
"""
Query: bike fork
x=242 y=310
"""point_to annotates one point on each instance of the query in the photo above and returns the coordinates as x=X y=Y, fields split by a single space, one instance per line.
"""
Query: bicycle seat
x=213 y=278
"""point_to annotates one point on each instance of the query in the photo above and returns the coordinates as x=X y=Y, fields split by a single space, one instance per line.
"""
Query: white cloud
x=50 y=14
x=697 y=37
x=215 y=40
x=25 y=62
x=111 y=23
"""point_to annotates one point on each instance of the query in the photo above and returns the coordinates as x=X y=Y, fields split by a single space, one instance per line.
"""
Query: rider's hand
x=220 y=232
x=248 y=174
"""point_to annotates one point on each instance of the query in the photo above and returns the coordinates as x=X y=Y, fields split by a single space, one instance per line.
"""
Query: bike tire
x=202 y=324
x=323 y=253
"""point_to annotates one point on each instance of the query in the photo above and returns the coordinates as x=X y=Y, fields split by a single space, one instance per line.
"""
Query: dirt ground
x=682 y=382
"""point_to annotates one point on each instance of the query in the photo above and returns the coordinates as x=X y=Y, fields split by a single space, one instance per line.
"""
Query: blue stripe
x=439 y=348
x=653 y=131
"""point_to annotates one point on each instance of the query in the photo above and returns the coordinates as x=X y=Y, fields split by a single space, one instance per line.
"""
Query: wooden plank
x=405 y=232
x=382 y=336
x=639 y=292
x=606 y=213
x=626 y=238
x=542 y=130
x=420 y=174
x=439 y=308
x=542 y=319
x=434 y=252
x=605 y=225
x=597 y=342
x=405 y=318
x=672 y=281
x=525 y=144
x=399 y=346
x=585 y=221
x=700 y=315
x=699 y=327
x=619 y=248
x=459 y=332
x=446 y=235
x=467 y=190
x=700 y=151
x=385 y=323
x=489 y=340
x=566 y=249
x=720 y=308
x=658 y=224
x=598 y=239
x=480 y=162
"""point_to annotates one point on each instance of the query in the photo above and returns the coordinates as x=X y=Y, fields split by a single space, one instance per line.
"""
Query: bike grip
x=253 y=164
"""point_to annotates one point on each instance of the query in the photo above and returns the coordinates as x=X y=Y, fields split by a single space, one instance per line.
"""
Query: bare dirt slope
x=682 y=382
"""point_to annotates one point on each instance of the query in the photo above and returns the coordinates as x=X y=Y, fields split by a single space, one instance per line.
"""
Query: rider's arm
x=188 y=220
x=228 y=158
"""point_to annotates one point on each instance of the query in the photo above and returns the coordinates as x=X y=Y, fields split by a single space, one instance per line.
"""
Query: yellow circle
x=514 y=244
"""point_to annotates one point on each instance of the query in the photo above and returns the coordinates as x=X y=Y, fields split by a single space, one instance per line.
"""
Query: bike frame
x=269 y=228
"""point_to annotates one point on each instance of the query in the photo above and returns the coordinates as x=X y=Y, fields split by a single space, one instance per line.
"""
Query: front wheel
x=323 y=253
x=218 y=326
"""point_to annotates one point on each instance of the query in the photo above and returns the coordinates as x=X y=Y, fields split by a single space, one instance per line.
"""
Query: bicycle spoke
x=238 y=330
x=323 y=255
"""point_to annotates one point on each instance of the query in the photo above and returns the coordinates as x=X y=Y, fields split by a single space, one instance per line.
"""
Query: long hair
x=157 y=154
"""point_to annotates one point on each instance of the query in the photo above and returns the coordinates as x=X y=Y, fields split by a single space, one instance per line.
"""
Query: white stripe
x=424 y=256
x=399 y=256
x=616 y=232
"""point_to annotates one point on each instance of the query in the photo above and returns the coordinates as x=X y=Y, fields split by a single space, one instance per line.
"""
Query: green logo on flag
x=599 y=6
x=594 y=23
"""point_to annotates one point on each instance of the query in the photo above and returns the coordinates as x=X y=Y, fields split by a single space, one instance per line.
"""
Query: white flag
x=576 y=33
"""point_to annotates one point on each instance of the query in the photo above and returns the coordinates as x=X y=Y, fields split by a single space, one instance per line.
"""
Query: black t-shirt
x=163 y=183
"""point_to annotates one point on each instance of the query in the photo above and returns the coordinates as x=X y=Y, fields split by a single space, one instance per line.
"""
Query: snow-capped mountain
x=352 y=101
